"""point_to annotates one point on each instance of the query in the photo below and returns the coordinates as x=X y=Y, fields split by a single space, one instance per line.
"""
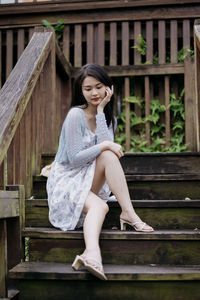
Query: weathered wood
x=20 y=42
x=137 y=32
x=17 y=90
x=3 y=258
x=173 y=41
x=2 y=175
x=78 y=46
x=113 y=44
x=9 y=52
x=186 y=33
x=143 y=70
x=147 y=108
x=127 y=112
x=66 y=42
x=0 y=58
x=90 y=43
x=161 y=42
x=100 y=50
x=167 y=112
x=63 y=61
x=9 y=208
x=125 y=44
x=149 y=41
x=197 y=78
x=190 y=105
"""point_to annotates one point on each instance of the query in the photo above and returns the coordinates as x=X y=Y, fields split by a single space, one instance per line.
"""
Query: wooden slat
x=197 y=77
x=149 y=41
x=28 y=186
x=33 y=132
x=90 y=43
x=127 y=111
x=113 y=44
x=191 y=123
x=30 y=33
x=9 y=195
x=9 y=52
x=2 y=175
x=9 y=208
x=147 y=108
x=78 y=46
x=3 y=258
x=141 y=70
x=22 y=153
x=137 y=31
x=161 y=42
x=11 y=164
x=15 y=94
x=66 y=42
x=17 y=157
x=125 y=43
x=20 y=42
x=101 y=44
x=167 y=112
x=0 y=57
x=186 y=33
x=173 y=41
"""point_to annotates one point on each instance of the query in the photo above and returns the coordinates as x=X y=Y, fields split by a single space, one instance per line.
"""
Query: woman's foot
x=134 y=221
x=93 y=263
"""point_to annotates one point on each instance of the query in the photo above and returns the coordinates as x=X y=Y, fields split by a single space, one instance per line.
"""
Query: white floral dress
x=68 y=188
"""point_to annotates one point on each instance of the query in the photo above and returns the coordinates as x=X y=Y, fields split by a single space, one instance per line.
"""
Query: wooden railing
x=196 y=115
x=12 y=218
x=33 y=101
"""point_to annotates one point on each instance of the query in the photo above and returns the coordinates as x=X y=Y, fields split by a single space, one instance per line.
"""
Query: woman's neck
x=91 y=110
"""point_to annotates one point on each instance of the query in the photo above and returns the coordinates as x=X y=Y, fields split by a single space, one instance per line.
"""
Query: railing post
x=191 y=123
x=197 y=80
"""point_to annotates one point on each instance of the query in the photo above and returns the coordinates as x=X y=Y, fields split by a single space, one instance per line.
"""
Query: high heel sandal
x=79 y=261
x=123 y=226
x=91 y=267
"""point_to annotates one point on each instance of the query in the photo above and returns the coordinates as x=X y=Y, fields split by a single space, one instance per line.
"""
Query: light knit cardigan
x=70 y=149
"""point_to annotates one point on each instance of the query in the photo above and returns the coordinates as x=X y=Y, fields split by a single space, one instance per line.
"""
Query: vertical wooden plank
x=113 y=44
x=186 y=33
x=149 y=41
x=78 y=46
x=50 y=101
x=147 y=108
x=28 y=187
x=90 y=43
x=197 y=87
x=9 y=52
x=3 y=258
x=22 y=153
x=16 y=155
x=173 y=41
x=33 y=132
x=137 y=31
x=0 y=58
x=127 y=111
x=161 y=42
x=2 y=175
x=30 y=33
x=191 y=123
x=167 y=112
x=11 y=163
x=66 y=42
x=20 y=42
x=125 y=43
x=101 y=44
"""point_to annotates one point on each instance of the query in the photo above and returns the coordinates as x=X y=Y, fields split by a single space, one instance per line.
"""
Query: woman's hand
x=102 y=104
x=114 y=147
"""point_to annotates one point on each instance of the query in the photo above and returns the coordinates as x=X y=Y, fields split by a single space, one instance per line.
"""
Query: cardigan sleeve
x=103 y=132
x=73 y=127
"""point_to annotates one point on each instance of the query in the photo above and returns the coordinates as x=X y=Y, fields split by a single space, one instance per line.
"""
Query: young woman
x=87 y=168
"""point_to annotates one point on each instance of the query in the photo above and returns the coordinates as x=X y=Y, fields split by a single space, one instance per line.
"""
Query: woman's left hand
x=102 y=104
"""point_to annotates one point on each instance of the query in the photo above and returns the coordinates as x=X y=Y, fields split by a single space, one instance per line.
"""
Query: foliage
x=58 y=27
x=141 y=48
x=157 y=128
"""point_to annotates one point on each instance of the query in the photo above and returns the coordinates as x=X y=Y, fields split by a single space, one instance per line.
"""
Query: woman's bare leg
x=95 y=210
x=109 y=168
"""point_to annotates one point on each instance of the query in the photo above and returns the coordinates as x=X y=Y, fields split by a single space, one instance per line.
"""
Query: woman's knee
x=107 y=155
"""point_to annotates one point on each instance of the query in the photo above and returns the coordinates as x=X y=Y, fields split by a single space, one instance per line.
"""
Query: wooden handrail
x=19 y=86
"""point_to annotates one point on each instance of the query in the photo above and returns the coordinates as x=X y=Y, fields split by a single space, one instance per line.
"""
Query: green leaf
x=46 y=23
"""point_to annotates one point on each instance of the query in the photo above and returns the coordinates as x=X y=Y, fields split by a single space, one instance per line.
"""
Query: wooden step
x=155 y=186
x=44 y=281
x=170 y=214
x=118 y=247
x=153 y=163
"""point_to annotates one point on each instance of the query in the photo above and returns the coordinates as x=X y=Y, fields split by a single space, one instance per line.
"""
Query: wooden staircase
x=164 y=264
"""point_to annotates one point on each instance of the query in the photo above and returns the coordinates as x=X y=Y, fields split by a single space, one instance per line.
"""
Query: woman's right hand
x=114 y=147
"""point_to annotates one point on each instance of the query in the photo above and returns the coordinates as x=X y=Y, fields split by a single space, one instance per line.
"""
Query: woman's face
x=93 y=90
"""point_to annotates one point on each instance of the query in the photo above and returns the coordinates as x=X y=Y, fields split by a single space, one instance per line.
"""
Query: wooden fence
x=34 y=101
x=197 y=77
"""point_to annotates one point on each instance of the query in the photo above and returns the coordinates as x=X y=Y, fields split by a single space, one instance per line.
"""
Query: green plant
x=58 y=27
x=138 y=140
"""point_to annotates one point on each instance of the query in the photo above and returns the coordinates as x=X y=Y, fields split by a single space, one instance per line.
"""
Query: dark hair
x=96 y=71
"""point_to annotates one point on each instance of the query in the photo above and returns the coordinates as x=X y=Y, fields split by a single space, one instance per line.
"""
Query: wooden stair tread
x=136 y=203
x=145 y=177
x=38 y=232
x=63 y=271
